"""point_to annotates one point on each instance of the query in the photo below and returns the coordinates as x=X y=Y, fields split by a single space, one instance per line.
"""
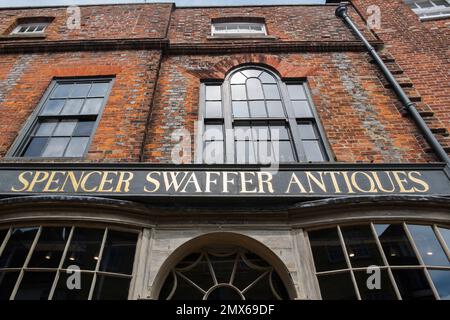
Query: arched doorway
x=224 y=266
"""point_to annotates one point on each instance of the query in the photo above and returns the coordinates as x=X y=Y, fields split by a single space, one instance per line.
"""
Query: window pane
x=441 y=280
x=313 y=151
x=445 y=233
x=17 y=247
x=271 y=91
x=213 y=93
x=361 y=246
x=240 y=109
x=118 y=254
x=35 y=147
x=65 y=128
x=238 y=78
x=264 y=152
x=40 y=28
x=99 y=89
x=385 y=291
x=214 y=152
x=327 y=251
x=3 y=233
x=84 y=248
x=275 y=109
x=49 y=248
x=337 y=287
x=286 y=154
x=92 y=106
x=72 y=106
x=84 y=128
x=279 y=133
x=302 y=109
x=53 y=107
x=62 y=90
x=80 y=90
x=213 y=109
x=257 y=109
x=267 y=78
x=238 y=92
x=76 y=147
x=245 y=152
x=62 y=292
x=45 y=128
x=428 y=246
x=307 y=130
x=35 y=286
x=261 y=132
x=252 y=73
x=254 y=89
x=213 y=132
x=395 y=244
x=243 y=133
x=296 y=92
x=7 y=283
x=413 y=285
x=111 y=288
x=55 y=147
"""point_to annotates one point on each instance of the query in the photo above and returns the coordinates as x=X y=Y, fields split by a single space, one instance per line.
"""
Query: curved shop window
x=380 y=261
x=65 y=263
x=231 y=273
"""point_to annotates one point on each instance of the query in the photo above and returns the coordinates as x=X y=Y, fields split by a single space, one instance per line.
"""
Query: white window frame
x=29 y=26
x=237 y=31
x=436 y=11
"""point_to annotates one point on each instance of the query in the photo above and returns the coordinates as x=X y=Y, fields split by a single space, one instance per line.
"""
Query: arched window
x=254 y=117
x=229 y=273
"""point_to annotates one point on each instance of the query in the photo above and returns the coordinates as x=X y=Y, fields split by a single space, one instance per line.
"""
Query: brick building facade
x=87 y=121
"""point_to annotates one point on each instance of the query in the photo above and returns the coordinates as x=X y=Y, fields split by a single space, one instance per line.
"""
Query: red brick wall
x=24 y=79
x=98 y=22
x=359 y=114
x=421 y=49
x=287 y=23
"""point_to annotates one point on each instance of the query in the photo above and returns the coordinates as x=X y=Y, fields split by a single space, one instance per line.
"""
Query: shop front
x=140 y=231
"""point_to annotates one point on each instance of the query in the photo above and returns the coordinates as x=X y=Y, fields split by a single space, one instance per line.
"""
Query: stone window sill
x=22 y=37
x=241 y=37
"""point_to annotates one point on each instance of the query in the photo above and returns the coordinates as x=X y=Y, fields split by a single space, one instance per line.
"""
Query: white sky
x=32 y=3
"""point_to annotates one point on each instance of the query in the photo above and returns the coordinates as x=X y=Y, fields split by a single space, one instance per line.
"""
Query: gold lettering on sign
x=153 y=181
x=73 y=180
x=294 y=180
x=125 y=178
x=380 y=184
x=39 y=176
x=51 y=180
x=85 y=179
x=267 y=181
x=419 y=181
x=23 y=180
x=401 y=181
x=226 y=181
x=245 y=181
x=316 y=181
x=334 y=180
x=347 y=182
x=209 y=181
x=193 y=180
x=372 y=188
x=171 y=180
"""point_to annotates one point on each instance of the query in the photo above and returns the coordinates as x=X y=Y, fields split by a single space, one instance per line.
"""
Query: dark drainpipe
x=341 y=12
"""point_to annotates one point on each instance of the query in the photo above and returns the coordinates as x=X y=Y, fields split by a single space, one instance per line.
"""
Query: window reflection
x=413 y=285
x=395 y=244
x=441 y=280
x=17 y=247
x=361 y=247
x=32 y=258
x=428 y=246
x=337 y=287
x=327 y=250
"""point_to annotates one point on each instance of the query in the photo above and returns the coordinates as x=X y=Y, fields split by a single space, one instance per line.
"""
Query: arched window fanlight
x=223 y=274
x=254 y=117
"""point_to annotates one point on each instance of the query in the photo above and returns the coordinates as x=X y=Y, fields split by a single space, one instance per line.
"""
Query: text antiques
x=189 y=182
